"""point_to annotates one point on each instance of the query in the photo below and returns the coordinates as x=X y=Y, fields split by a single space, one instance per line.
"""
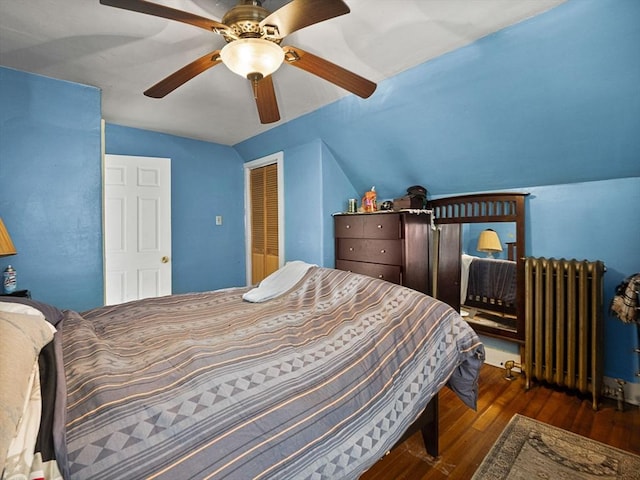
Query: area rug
x=528 y=449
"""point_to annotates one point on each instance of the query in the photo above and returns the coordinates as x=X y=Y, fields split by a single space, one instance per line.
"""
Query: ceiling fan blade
x=266 y=102
x=298 y=14
x=183 y=75
x=154 y=9
x=329 y=71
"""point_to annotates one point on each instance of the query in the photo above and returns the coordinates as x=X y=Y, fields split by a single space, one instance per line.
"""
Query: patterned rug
x=528 y=449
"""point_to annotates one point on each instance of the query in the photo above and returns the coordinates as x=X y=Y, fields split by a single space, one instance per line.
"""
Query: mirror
x=486 y=286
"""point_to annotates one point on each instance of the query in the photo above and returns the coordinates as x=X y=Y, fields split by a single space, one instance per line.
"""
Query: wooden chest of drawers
x=389 y=246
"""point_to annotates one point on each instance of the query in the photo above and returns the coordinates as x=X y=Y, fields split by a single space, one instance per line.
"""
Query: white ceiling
x=124 y=53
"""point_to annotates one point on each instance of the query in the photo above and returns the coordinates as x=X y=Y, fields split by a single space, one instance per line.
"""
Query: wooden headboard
x=479 y=208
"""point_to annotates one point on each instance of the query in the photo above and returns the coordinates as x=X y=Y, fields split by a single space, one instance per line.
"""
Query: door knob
x=165 y=259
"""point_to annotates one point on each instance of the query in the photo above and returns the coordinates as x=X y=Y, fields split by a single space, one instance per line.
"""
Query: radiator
x=564 y=324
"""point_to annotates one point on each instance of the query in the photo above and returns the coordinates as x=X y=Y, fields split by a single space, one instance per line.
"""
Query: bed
x=490 y=285
x=316 y=374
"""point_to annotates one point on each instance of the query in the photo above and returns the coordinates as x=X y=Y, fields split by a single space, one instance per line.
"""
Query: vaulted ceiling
x=124 y=53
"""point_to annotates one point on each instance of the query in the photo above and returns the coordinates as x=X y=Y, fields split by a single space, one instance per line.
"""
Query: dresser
x=392 y=246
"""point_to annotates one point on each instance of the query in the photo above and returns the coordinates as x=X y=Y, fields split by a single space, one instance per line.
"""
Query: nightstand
x=17 y=293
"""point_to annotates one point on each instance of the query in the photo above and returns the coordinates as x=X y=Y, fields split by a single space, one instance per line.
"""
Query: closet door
x=264 y=221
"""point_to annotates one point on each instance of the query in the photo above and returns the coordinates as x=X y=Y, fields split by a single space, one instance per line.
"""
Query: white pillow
x=278 y=282
x=12 y=307
x=22 y=336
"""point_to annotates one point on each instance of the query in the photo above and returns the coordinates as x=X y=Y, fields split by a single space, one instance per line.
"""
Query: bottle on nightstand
x=10 y=280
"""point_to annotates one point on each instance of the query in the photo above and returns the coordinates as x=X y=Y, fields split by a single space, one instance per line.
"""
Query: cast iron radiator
x=564 y=323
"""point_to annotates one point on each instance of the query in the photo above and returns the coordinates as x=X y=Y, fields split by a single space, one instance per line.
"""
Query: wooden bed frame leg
x=429 y=431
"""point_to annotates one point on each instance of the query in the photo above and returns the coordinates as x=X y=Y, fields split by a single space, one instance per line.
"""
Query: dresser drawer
x=382 y=226
x=393 y=246
x=388 y=252
x=390 y=273
x=349 y=226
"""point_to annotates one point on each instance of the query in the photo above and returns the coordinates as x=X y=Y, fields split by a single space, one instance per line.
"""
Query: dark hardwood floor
x=466 y=436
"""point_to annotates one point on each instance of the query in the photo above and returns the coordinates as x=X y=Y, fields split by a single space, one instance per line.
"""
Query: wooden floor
x=466 y=436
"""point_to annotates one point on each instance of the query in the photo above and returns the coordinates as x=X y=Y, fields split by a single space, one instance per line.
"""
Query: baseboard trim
x=497 y=358
x=631 y=390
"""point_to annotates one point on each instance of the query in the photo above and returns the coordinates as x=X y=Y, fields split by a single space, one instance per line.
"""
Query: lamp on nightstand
x=489 y=242
x=6 y=245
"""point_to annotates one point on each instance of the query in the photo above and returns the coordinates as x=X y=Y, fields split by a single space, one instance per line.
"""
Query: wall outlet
x=218 y=219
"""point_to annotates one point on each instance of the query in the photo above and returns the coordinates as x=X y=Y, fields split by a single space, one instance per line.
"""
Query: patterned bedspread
x=318 y=383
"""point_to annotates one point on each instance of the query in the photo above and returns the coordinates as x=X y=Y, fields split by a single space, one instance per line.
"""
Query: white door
x=137 y=233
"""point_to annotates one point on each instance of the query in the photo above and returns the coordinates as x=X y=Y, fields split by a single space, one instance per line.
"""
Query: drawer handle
x=379 y=226
x=383 y=251
x=351 y=249
x=380 y=276
x=347 y=226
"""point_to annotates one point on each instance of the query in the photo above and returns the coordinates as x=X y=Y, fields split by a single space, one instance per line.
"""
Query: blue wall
x=206 y=180
x=302 y=197
x=337 y=189
x=51 y=194
x=315 y=187
x=552 y=100
x=50 y=184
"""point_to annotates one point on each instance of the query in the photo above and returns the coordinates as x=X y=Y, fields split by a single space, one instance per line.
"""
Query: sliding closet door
x=264 y=222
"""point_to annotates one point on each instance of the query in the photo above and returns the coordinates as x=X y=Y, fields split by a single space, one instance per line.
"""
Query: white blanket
x=278 y=282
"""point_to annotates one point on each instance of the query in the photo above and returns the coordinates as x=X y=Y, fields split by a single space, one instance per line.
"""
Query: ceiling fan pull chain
x=254 y=86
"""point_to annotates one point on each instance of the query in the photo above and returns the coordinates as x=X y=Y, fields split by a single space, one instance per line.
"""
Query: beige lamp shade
x=6 y=245
x=489 y=242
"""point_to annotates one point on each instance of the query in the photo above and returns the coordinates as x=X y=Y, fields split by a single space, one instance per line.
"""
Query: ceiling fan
x=253 y=50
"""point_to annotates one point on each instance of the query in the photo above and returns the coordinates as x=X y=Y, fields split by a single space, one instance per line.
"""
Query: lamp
x=252 y=58
x=489 y=242
x=6 y=245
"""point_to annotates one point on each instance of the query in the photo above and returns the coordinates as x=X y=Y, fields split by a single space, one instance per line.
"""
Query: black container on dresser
x=390 y=246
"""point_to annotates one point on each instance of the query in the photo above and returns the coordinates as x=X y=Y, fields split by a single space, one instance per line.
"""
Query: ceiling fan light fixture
x=250 y=56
